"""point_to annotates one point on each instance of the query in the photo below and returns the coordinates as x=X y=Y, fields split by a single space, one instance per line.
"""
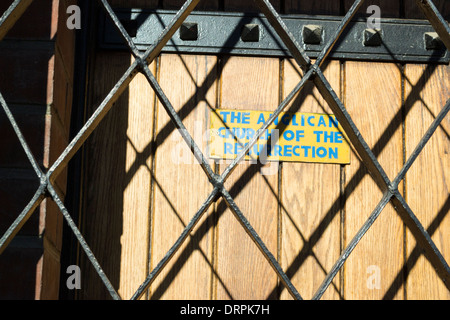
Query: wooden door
x=137 y=200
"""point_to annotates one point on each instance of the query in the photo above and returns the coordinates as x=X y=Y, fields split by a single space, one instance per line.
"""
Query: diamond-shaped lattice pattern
x=311 y=72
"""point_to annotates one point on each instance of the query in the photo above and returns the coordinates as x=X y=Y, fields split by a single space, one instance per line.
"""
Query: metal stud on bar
x=372 y=37
x=250 y=32
x=437 y=21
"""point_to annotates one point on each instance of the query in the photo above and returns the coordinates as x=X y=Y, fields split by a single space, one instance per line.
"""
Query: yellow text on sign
x=297 y=137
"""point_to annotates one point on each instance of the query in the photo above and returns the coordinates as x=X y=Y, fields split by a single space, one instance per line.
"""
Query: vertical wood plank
x=137 y=195
x=373 y=99
x=388 y=8
x=242 y=271
x=181 y=186
x=427 y=180
x=310 y=193
x=202 y=5
x=117 y=199
x=310 y=202
x=412 y=10
x=320 y=7
x=144 y=4
x=248 y=6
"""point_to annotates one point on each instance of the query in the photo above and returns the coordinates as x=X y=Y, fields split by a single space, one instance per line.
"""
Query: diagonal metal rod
x=226 y=173
x=262 y=247
x=82 y=242
x=23 y=217
x=422 y=237
x=92 y=122
x=344 y=22
x=436 y=122
x=375 y=169
x=152 y=52
x=21 y=138
x=178 y=243
x=298 y=52
x=380 y=177
x=120 y=28
x=178 y=123
x=286 y=36
x=348 y=250
x=160 y=94
x=437 y=21
x=11 y=15
x=26 y=213
x=404 y=211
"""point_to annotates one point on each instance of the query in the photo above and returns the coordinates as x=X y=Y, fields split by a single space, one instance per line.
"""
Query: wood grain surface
x=373 y=100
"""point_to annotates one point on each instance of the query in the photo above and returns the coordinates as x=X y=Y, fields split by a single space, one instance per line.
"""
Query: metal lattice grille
x=312 y=72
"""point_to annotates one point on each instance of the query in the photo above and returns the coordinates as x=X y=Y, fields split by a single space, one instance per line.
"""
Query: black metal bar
x=345 y=21
x=178 y=243
x=226 y=173
x=348 y=250
x=406 y=214
x=11 y=15
x=370 y=161
x=23 y=217
x=436 y=122
x=286 y=36
x=21 y=138
x=93 y=121
x=422 y=237
x=437 y=21
x=90 y=255
x=178 y=123
x=260 y=244
x=38 y=196
x=120 y=28
x=153 y=51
